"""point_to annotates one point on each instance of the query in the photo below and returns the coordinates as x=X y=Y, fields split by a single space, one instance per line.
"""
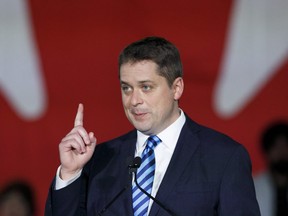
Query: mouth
x=138 y=115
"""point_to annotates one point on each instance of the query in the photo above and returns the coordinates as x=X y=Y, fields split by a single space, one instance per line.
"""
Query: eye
x=126 y=88
x=146 y=88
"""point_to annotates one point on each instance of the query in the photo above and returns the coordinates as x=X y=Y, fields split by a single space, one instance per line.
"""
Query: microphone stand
x=132 y=166
x=151 y=197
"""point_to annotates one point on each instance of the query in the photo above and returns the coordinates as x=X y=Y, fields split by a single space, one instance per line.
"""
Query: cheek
x=159 y=107
x=124 y=101
x=164 y=101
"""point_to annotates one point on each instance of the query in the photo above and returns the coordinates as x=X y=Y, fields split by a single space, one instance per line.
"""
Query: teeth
x=257 y=46
x=21 y=79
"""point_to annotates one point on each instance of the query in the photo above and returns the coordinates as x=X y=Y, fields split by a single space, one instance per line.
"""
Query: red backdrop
x=78 y=42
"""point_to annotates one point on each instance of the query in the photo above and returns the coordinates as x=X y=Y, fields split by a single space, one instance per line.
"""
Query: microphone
x=138 y=160
x=133 y=165
x=136 y=163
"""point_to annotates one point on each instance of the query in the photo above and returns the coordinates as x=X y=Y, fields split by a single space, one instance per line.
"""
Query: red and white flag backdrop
x=55 y=54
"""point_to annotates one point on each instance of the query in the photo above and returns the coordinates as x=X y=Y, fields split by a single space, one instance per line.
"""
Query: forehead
x=140 y=70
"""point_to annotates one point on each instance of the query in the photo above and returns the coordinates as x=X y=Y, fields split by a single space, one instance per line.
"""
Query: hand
x=76 y=148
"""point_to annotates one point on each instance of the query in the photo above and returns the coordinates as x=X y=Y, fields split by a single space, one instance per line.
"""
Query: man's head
x=274 y=142
x=17 y=199
x=150 y=73
x=157 y=50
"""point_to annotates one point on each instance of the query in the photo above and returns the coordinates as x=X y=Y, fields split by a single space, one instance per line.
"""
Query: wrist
x=65 y=174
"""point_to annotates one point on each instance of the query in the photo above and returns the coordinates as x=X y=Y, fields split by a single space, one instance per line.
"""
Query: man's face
x=279 y=151
x=149 y=103
x=14 y=205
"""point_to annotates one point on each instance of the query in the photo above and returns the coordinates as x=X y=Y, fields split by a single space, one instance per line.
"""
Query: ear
x=178 y=88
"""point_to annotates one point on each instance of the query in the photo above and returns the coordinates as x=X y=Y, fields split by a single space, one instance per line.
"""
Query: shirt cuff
x=59 y=184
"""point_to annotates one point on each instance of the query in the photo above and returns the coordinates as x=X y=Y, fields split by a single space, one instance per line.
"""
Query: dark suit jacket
x=209 y=174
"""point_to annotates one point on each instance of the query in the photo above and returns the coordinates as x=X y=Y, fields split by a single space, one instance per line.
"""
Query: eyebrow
x=124 y=83
x=139 y=82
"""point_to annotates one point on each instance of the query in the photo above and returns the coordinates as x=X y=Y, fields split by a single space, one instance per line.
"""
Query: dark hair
x=271 y=133
x=158 y=50
x=22 y=188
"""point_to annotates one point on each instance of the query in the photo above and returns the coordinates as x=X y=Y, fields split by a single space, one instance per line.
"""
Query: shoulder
x=209 y=136
x=213 y=145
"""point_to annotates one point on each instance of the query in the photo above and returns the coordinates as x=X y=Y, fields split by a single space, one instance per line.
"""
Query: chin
x=142 y=129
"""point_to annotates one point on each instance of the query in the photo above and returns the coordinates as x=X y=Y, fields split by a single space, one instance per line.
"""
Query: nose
x=136 y=98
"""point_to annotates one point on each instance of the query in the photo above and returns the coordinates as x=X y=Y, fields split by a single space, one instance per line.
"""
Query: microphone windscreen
x=137 y=162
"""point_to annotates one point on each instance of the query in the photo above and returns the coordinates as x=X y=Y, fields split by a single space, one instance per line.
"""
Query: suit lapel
x=185 y=148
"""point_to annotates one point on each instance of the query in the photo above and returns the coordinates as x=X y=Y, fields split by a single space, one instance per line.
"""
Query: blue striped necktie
x=145 y=177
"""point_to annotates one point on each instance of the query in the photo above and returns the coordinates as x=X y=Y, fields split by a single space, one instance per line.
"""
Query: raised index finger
x=79 y=116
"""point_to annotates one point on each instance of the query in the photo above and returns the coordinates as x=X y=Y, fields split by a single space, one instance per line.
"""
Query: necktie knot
x=152 y=142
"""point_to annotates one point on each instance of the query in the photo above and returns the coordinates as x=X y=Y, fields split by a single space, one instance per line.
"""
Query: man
x=190 y=169
x=272 y=185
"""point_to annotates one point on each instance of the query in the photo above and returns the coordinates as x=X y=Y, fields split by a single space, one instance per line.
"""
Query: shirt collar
x=169 y=136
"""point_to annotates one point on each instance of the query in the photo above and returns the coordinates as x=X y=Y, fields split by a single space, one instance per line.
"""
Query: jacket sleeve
x=68 y=201
x=237 y=192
